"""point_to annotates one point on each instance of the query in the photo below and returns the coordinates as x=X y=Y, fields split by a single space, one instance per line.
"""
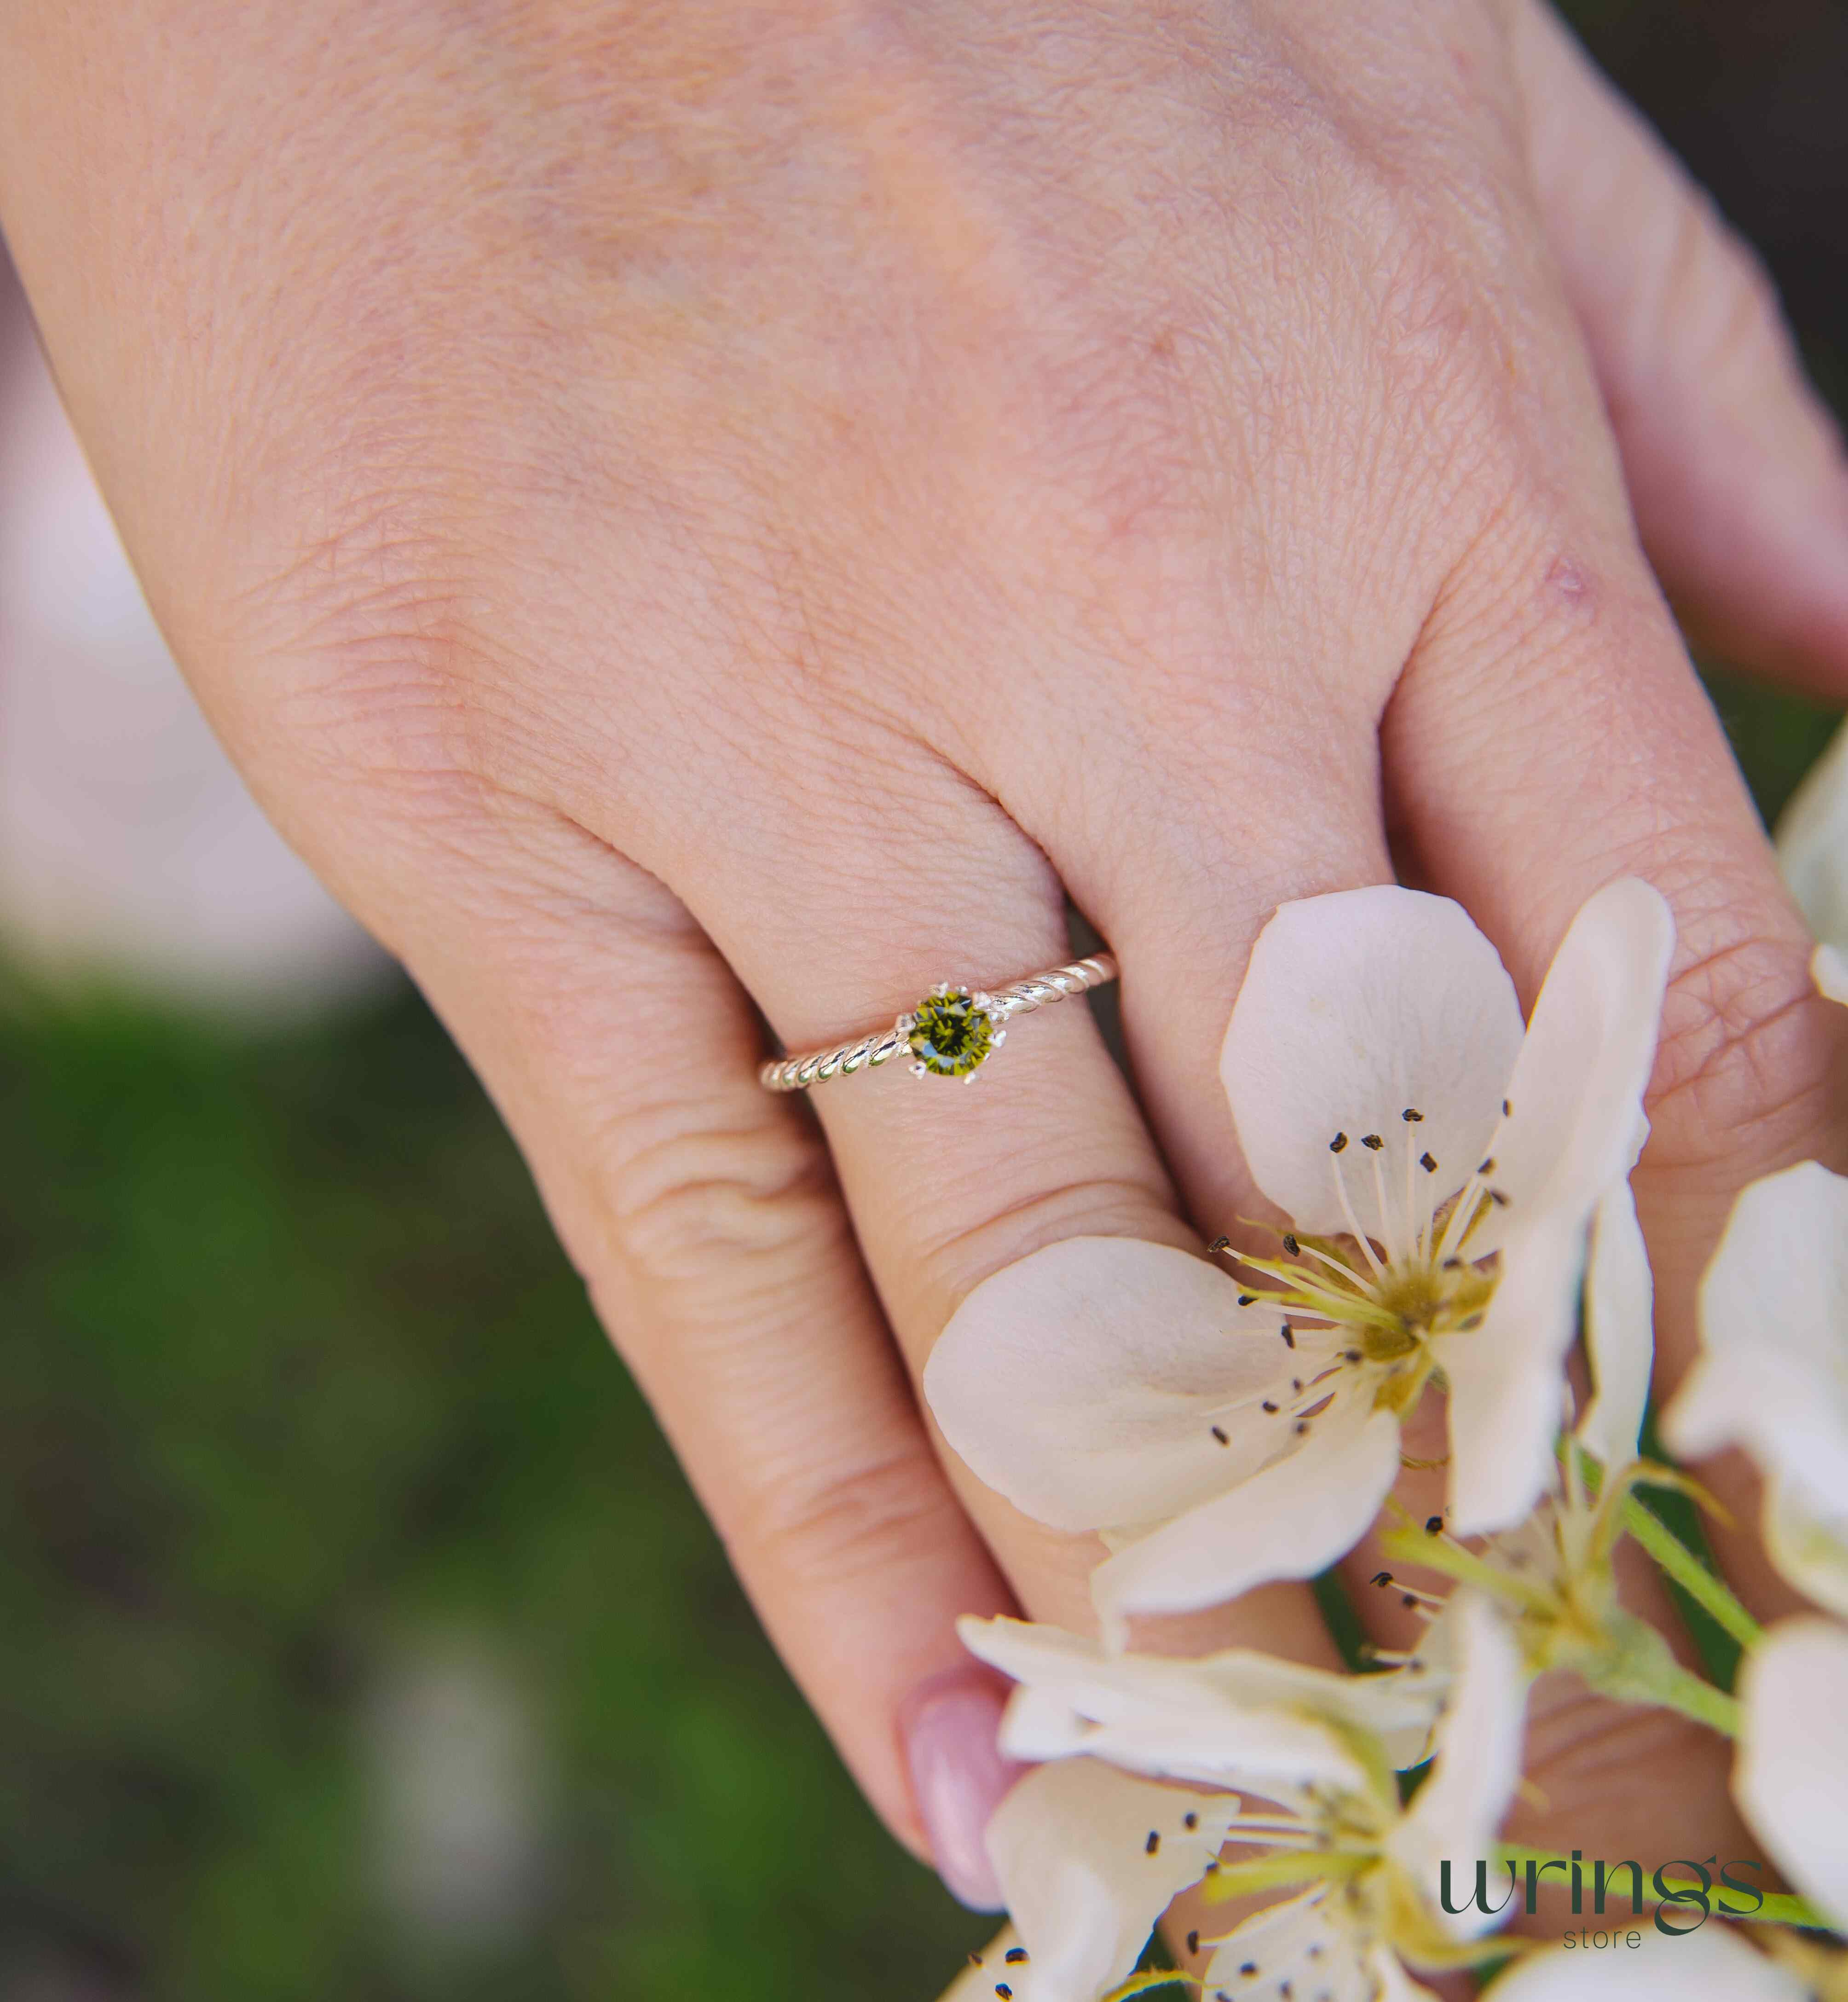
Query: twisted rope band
x=1037 y=990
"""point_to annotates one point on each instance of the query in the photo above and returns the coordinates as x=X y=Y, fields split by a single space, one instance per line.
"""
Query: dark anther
x=1427 y=1163
x=975 y=1960
x=1288 y=1334
x=1014 y=1955
x=1506 y=1108
x=1245 y=1299
x=1337 y=1143
x=1153 y=1843
x=1412 y=1116
x=1271 y=1408
x=1193 y=1940
x=1218 y=1245
x=1497 y=1198
x=1382 y=1577
x=1433 y=1524
x=1371 y=1142
x=1190 y=1821
x=1220 y=1437
x=1302 y=1427
x=1296 y=1385
x=1351 y=1355
x=1248 y=1968
x=1290 y=1244
x=1005 y=1993
x=1283 y=1991
x=1410 y=1600
x=1452 y=1263
x=1488 y=1167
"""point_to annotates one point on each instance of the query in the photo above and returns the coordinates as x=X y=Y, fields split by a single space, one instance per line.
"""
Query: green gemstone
x=950 y=1035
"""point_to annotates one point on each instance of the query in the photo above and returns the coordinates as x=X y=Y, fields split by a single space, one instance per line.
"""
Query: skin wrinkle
x=1745 y=1051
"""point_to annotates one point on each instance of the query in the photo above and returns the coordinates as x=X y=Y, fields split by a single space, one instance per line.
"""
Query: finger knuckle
x=699 y=1206
x=1746 y=1055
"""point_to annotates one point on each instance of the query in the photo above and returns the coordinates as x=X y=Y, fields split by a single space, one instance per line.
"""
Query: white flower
x=1812 y=851
x=1440 y=1168
x=977 y=1981
x=1812 y=844
x=1225 y=1720
x=1553 y=1573
x=1828 y=968
x=1772 y=1374
x=1790 y=1775
x=1712 y=1964
x=1620 y=1331
x=1089 y=1858
x=1091 y=1848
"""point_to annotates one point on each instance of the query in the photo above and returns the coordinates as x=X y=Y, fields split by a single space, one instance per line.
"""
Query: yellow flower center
x=1396 y=1286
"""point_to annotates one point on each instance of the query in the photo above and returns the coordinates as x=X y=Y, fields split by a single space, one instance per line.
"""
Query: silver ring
x=951 y=1033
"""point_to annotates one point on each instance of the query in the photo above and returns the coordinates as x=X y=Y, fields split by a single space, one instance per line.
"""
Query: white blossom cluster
x=1455 y=1185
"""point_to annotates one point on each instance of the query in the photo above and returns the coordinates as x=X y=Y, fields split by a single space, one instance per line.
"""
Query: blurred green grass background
x=295 y=1388
x=295 y=1379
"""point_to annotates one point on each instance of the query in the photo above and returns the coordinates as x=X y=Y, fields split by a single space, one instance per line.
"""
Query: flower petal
x=1780 y=1278
x=1712 y=1964
x=1083 y=1382
x=1356 y=1006
x=1089 y=1859
x=1291 y=1948
x=1078 y=1683
x=1790 y=1777
x=1575 y=1094
x=1812 y=843
x=1292 y=1520
x=976 y=1982
x=1458 y=1809
x=1619 y=1330
x=1773 y=1373
x=1507 y=1379
x=1807 y=1542
x=1829 y=969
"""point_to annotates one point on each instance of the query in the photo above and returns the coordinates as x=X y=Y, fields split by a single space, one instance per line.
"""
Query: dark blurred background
x=358 y=1635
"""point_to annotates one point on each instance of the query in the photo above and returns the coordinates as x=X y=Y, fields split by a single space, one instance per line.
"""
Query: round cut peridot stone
x=950 y=1035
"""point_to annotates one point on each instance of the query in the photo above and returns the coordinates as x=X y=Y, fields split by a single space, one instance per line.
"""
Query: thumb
x=1734 y=466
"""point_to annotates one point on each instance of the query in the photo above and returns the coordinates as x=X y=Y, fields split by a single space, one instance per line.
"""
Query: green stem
x=1677 y=1688
x=1778 y=1908
x=1700 y=1584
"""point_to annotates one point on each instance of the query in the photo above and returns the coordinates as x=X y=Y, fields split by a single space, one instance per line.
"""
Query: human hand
x=676 y=511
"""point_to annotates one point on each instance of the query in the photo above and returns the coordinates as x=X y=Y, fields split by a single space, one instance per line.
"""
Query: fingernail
x=958 y=1777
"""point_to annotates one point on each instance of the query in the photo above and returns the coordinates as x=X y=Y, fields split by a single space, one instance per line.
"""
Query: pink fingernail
x=958 y=1777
